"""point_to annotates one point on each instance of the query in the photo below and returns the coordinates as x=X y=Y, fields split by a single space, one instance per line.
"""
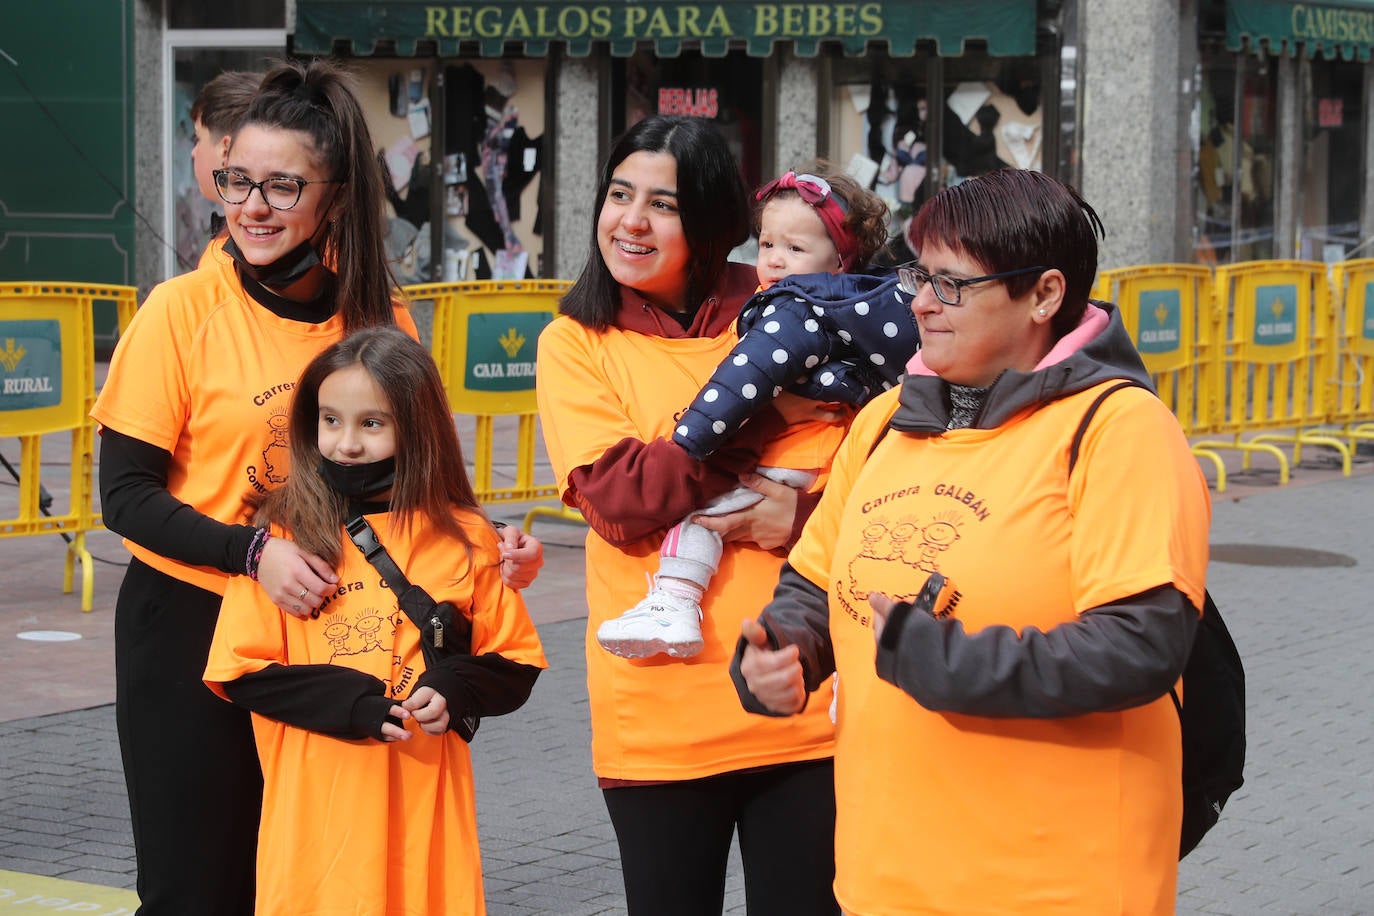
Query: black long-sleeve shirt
x=345 y=703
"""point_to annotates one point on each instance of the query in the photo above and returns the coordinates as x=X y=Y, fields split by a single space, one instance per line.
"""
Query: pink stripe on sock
x=670 y=542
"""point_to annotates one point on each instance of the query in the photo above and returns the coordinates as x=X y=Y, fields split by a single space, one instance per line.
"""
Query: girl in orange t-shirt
x=351 y=721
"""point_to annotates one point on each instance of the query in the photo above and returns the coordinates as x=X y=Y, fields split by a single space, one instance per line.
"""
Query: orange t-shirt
x=214 y=252
x=368 y=828
x=961 y=814
x=660 y=718
x=206 y=373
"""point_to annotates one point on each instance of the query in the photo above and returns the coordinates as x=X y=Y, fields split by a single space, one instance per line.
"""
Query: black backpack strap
x=1088 y=418
x=431 y=619
x=413 y=599
x=365 y=539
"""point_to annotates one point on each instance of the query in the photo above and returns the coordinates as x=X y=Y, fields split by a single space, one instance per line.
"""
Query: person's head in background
x=302 y=185
x=219 y=107
x=817 y=219
x=1005 y=265
x=671 y=207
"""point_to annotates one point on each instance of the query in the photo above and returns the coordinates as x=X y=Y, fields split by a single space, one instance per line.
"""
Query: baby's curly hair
x=866 y=216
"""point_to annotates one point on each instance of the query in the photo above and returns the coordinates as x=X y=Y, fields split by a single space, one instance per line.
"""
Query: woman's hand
x=522 y=556
x=797 y=409
x=773 y=676
x=429 y=709
x=294 y=580
x=767 y=523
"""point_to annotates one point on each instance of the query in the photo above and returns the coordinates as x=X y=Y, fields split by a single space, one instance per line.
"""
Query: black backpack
x=1212 y=720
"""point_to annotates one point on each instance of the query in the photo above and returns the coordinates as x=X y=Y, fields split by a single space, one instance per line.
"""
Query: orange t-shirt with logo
x=660 y=718
x=369 y=828
x=206 y=373
x=960 y=814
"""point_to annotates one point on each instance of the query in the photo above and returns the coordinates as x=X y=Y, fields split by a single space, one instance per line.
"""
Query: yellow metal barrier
x=1276 y=359
x=47 y=385
x=1352 y=363
x=485 y=333
x=1169 y=312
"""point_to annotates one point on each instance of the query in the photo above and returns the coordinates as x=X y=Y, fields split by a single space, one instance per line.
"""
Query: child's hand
x=522 y=555
x=429 y=709
x=392 y=732
x=797 y=409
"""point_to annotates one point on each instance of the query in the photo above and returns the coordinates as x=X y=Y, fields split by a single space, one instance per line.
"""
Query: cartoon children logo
x=895 y=558
x=276 y=456
x=369 y=631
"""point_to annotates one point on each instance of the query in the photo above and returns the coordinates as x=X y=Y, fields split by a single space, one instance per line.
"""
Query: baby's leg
x=668 y=619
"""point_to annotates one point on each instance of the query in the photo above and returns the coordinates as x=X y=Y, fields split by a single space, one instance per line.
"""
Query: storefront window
x=484 y=128
x=993 y=116
x=1236 y=157
x=1333 y=160
x=727 y=89
x=990 y=115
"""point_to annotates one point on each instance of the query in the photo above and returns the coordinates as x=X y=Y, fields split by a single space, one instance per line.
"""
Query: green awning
x=490 y=28
x=1330 y=29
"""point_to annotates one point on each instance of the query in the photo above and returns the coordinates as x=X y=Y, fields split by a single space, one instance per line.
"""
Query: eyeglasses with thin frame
x=948 y=289
x=234 y=187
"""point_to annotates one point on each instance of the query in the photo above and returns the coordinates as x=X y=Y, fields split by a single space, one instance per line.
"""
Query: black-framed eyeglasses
x=279 y=193
x=947 y=289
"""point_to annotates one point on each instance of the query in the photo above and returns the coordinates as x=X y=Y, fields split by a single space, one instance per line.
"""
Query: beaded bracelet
x=260 y=538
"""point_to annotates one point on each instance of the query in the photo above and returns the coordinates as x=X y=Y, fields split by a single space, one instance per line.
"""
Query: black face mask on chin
x=282 y=272
x=359 y=481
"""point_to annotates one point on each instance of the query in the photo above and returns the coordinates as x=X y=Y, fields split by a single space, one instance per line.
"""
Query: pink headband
x=815 y=191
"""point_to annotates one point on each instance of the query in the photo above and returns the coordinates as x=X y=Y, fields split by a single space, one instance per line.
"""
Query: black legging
x=195 y=787
x=675 y=840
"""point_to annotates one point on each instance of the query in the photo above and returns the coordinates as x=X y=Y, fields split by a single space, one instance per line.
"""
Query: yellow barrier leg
x=77 y=552
x=524 y=464
x=565 y=513
x=1217 y=463
x=1247 y=449
x=482 y=456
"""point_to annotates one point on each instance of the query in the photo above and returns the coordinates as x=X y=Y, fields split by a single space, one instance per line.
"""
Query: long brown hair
x=431 y=477
x=712 y=201
x=317 y=99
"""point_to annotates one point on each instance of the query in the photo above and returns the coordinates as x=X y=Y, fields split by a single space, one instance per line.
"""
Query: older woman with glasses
x=1007 y=592
x=193 y=416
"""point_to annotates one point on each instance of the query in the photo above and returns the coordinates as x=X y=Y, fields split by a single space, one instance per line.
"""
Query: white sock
x=688 y=591
x=690 y=553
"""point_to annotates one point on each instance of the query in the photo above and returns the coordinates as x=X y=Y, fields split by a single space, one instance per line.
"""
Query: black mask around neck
x=282 y=272
x=359 y=481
